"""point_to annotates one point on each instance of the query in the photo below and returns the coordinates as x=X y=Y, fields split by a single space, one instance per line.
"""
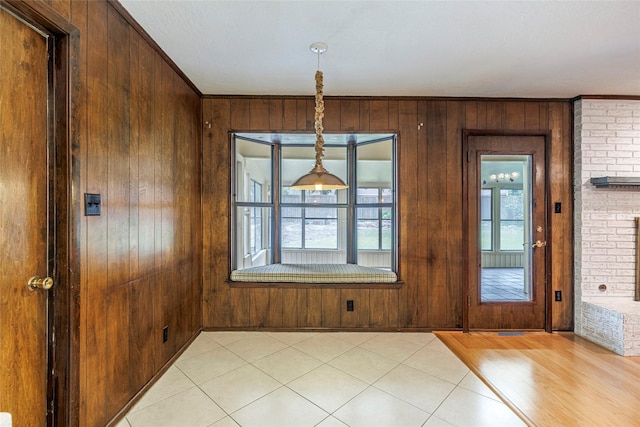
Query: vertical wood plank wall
x=140 y=126
x=430 y=206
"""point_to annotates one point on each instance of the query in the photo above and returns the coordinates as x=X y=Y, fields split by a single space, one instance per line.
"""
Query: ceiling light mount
x=318 y=47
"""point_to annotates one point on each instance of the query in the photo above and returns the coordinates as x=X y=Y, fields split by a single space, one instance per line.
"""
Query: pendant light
x=319 y=178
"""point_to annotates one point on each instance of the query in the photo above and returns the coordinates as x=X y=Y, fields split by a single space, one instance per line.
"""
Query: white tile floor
x=318 y=379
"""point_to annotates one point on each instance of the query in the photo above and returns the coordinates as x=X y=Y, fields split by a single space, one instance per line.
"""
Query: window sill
x=301 y=285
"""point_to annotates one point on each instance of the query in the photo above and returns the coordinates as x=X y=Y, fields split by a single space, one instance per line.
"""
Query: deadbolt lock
x=539 y=229
x=37 y=282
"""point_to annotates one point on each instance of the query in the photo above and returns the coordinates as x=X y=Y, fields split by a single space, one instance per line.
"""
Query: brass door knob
x=37 y=282
x=539 y=244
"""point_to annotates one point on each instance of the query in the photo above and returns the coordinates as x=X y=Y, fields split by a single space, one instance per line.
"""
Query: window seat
x=295 y=275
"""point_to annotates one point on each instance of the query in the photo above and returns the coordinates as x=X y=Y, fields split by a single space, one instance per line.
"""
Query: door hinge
x=468 y=300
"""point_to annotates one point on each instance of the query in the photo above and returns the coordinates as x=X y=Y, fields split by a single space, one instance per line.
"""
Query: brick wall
x=607 y=143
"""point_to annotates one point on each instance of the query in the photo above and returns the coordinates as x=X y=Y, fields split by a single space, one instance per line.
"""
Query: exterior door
x=24 y=221
x=506 y=232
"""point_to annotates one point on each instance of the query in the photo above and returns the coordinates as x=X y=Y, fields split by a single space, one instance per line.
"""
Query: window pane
x=321 y=234
x=511 y=235
x=320 y=213
x=291 y=212
x=368 y=195
x=368 y=234
x=511 y=204
x=291 y=233
x=322 y=196
x=485 y=203
x=486 y=213
x=253 y=163
x=374 y=164
x=386 y=235
x=298 y=161
x=290 y=195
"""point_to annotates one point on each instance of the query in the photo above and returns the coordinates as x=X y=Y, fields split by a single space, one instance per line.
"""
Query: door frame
x=546 y=134
x=64 y=185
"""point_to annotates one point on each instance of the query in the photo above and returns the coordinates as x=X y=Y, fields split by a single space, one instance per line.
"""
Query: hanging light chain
x=319 y=115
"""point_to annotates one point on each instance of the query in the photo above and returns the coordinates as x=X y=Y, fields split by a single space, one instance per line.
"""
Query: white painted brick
x=620 y=126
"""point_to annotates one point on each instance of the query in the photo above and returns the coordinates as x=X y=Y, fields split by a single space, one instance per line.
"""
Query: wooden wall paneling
x=379 y=114
x=117 y=117
x=423 y=246
x=532 y=115
x=560 y=190
x=136 y=115
x=94 y=375
x=383 y=308
x=481 y=116
x=471 y=115
x=438 y=286
x=350 y=115
x=143 y=338
x=332 y=116
x=543 y=114
x=168 y=205
x=331 y=308
x=240 y=114
x=302 y=118
x=407 y=218
x=289 y=114
x=430 y=215
x=289 y=300
x=276 y=114
x=119 y=387
x=455 y=297
x=314 y=307
x=240 y=307
x=394 y=114
x=143 y=124
x=260 y=309
x=275 y=316
x=515 y=116
x=495 y=114
x=360 y=316
x=364 y=121
x=259 y=117
x=217 y=307
x=302 y=308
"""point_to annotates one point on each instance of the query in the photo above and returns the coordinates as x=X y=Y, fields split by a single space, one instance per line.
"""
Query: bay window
x=273 y=223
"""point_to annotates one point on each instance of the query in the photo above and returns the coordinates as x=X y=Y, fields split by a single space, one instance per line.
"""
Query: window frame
x=275 y=205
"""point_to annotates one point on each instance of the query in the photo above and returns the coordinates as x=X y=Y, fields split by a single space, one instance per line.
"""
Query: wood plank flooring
x=554 y=379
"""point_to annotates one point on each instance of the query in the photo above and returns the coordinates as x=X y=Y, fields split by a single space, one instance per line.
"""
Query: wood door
x=506 y=230
x=24 y=228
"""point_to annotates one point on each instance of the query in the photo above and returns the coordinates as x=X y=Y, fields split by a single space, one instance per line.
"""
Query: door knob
x=37 y=282
x=539 y=244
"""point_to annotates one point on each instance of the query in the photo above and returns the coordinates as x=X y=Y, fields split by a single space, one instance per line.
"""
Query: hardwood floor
x=554 y=379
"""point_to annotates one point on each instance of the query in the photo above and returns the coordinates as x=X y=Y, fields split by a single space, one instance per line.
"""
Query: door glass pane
x=505 y=212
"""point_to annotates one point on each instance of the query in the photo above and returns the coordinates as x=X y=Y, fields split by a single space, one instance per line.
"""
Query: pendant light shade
x=319 y=178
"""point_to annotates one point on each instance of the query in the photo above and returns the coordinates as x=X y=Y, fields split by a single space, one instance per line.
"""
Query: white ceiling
x=556 y=49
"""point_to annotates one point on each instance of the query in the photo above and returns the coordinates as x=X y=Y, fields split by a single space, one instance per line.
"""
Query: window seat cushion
x=314 y=273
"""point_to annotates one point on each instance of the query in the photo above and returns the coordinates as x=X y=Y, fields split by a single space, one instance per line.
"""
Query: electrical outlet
x=165 y=334
x=558 y=295
x=349 y=305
